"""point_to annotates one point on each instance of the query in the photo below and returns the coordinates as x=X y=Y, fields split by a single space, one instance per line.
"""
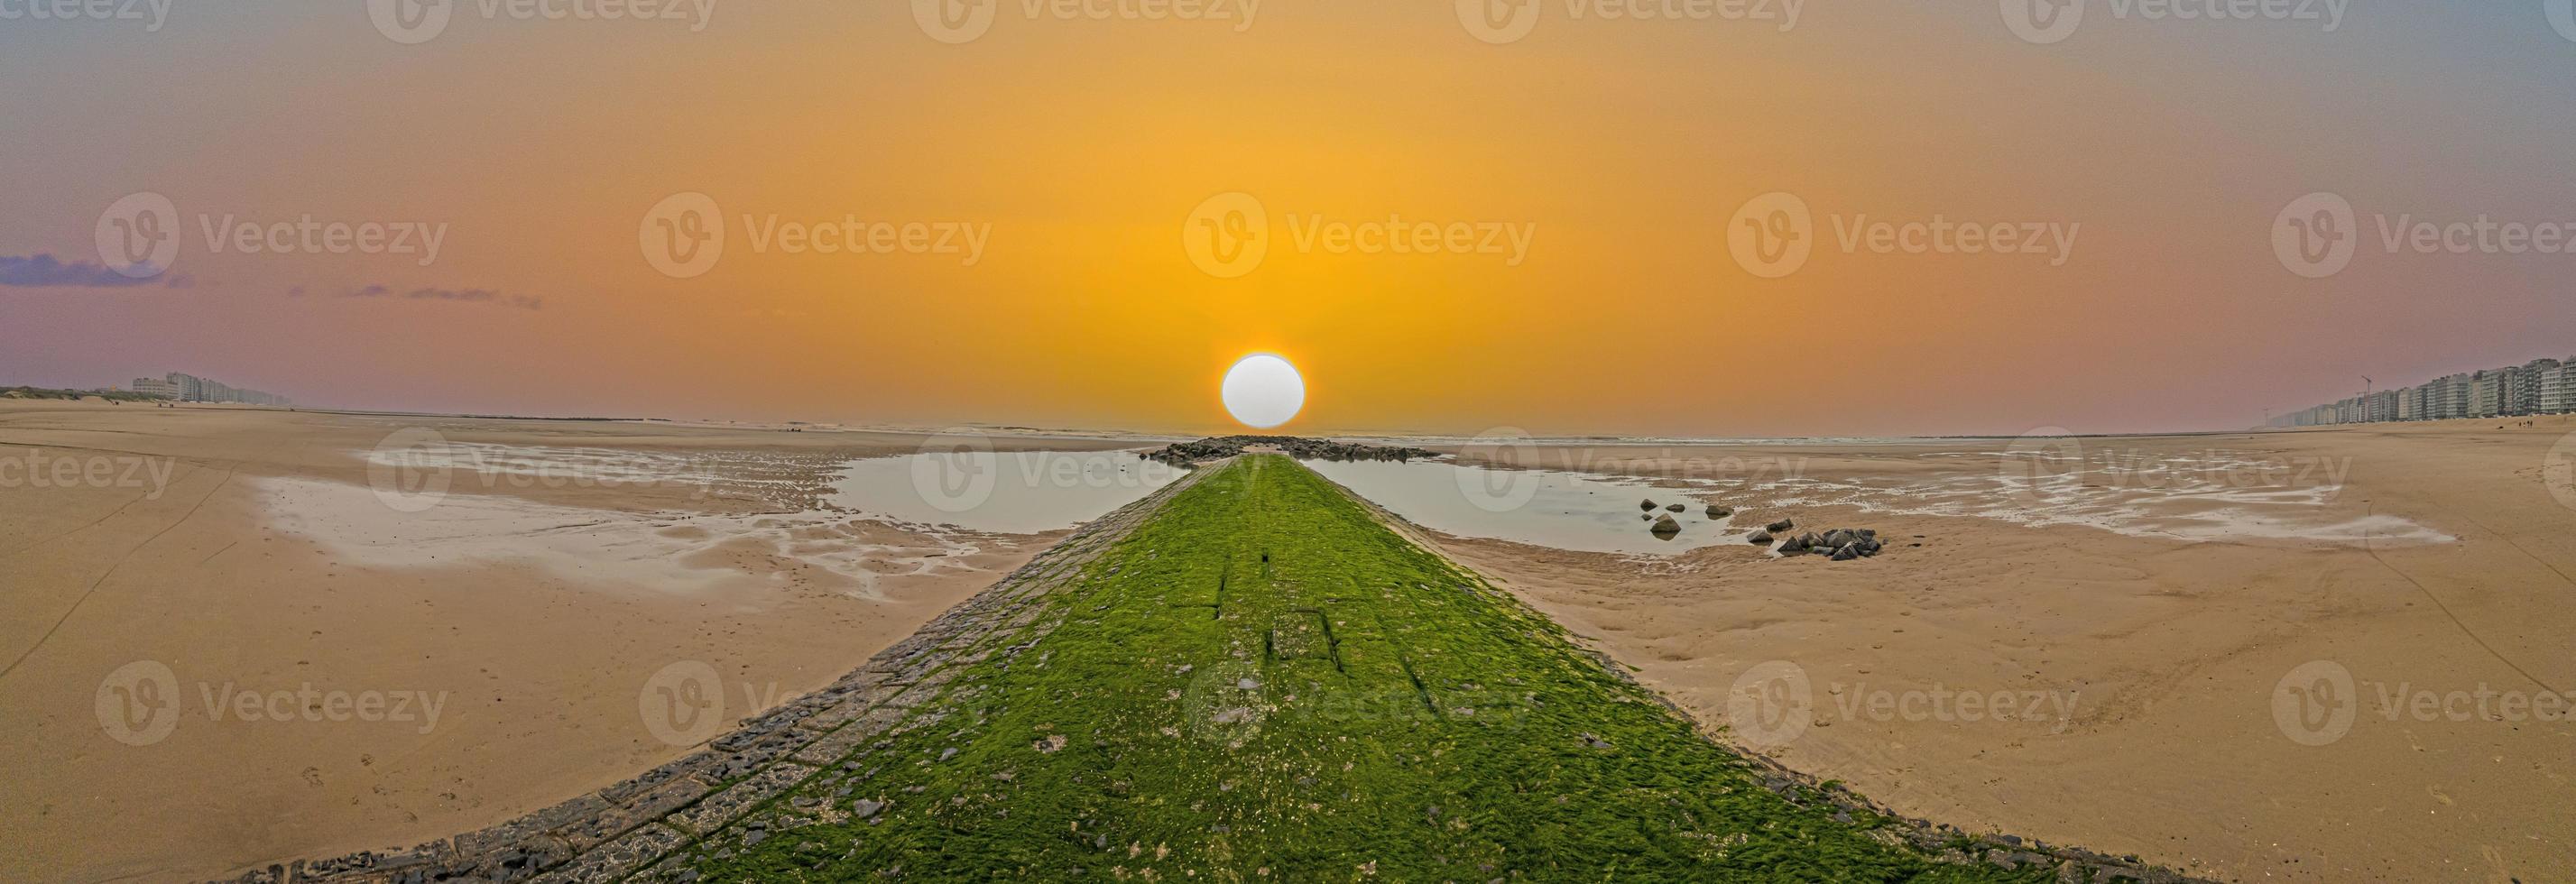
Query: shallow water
x=1548 y=508
x=1011 y=492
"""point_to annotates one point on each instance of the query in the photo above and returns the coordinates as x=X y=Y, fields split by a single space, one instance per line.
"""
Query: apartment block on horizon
x=2541 y=386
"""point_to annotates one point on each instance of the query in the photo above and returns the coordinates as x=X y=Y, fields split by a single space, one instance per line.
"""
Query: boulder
x=1779 y=526
x=1647 y=504
x=1665 y=527
x=1677 y=507
x=1719 y=512
x=1847 y=553
x=1759 y=538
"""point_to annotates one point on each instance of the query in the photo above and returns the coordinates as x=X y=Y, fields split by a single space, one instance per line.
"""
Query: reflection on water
x=1010 y=492
x=1538 y=507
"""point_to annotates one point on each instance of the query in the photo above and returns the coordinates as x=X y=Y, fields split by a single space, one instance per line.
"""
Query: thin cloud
x=478 y=296
x=42 y=270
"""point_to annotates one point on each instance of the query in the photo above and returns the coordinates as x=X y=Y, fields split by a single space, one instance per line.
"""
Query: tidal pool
x=1008 y=492
x=1549 y=508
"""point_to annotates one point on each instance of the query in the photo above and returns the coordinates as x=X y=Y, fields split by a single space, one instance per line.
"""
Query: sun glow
x=1263 y=391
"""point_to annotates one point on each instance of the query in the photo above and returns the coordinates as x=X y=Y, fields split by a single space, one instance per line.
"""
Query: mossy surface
x=1263 y=683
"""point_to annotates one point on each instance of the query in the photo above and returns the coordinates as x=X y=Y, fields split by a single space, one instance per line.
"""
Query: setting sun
x=1263 y=391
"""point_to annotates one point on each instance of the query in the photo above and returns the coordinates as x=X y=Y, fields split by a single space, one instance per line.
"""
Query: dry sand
x=2167 y=642
x=244 y=550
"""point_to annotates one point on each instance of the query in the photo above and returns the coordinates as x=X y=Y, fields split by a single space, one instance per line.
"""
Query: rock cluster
x=1215 y=447
x=1843 y=544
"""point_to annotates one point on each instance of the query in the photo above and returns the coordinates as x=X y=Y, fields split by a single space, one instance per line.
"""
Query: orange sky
x=1622 y=148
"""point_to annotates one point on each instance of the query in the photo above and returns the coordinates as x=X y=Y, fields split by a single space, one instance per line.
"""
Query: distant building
x=191 y=388
x=2541 y=386
x=2558 y=388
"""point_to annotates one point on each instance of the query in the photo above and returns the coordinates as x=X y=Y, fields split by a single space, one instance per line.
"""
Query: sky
x=1687 y=218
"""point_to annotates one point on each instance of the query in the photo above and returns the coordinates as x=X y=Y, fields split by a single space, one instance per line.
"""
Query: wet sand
x=246 y=551
x=2139 y=667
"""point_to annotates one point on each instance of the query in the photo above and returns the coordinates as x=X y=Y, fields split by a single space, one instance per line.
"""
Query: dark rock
x=1847 y=553
x=1759 y=538
x=1665 y=527
x=1779 y=526
x=1719 y=512
x=1190 y=453
x=1647 y=504
x=1677 y=507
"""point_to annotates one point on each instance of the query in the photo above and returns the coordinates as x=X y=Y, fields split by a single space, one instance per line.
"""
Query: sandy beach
x=2136 y=617
x=358 y=671
x=2080 y=641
